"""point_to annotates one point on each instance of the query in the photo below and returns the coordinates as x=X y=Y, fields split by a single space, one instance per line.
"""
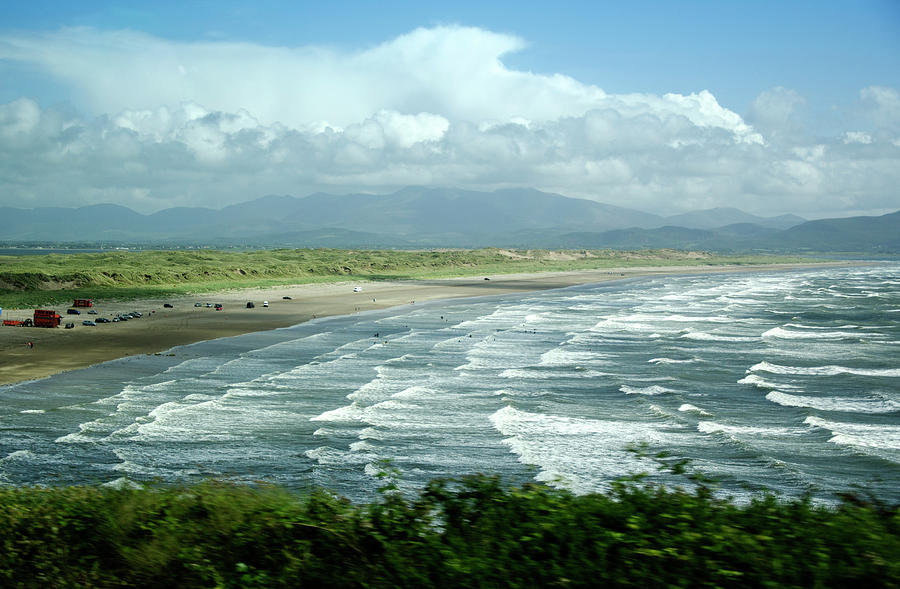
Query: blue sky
x=773 y=107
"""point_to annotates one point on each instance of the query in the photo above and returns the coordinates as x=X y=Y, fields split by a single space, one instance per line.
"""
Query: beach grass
x=29 y=281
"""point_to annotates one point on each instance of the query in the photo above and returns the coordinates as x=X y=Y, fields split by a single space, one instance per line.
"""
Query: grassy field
x=28 y=281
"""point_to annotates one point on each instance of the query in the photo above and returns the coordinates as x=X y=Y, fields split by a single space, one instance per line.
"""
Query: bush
x=472 y=532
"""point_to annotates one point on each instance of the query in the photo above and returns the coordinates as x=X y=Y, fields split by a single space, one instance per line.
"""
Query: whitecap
x=688 y=408
x=711 y=427
x=577 y=453
x=327 y=455
x=651 y=390
x=123 y=483
x=868 y=436
x=844 y=404
x=711 y=337
x=781 y=333
x=19 y=455
x=823 y=370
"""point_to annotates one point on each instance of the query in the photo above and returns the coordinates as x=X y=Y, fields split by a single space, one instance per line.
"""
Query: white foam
x=362 y=446
x=782 y=333
x=32 y=411
x=711 y=427
x=670 y=361
x=562 y=356
x=845 y=404
x=525 y=373
x=348 y=413
x=712 y=337
x=651 y=390
x=327 y=455
x=576 y=453
x=19 y=455
x=688 y=408
x=372 y=433
x=761 y=383
x=870 y=436
x=823 y=370
x=123 y=483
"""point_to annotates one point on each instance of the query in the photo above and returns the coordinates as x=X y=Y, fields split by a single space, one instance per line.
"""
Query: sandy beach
x=161 y=328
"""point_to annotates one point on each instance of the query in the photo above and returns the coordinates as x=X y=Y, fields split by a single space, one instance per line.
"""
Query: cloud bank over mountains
x=154 y=123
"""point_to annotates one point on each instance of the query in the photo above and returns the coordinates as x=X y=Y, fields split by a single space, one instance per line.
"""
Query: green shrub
x=471 y=532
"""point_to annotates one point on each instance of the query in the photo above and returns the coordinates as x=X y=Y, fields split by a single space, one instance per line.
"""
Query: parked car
x=70 y=325
x=357 y=289
x=115 y=319
x=92 y=312
x=88 y=322
x=168 y=305
x=198 y=304
x=73 y=312
x=286 y=298
x=102 y=320
x=265 y=303
x=218 y=306
x=250 y=305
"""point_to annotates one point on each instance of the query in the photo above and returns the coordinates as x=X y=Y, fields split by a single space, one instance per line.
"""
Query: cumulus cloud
x=166 y=123
x=775 y=113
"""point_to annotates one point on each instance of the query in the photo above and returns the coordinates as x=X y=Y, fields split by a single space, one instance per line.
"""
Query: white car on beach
x=357 y=289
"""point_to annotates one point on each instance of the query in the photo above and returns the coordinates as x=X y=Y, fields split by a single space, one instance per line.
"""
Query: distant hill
x=853 y=235
x=411 y=215
x=444 y=217
x=877 y=234
x=720 y=217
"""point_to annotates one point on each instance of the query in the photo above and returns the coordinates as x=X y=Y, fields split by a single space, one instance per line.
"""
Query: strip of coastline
x=33 y=353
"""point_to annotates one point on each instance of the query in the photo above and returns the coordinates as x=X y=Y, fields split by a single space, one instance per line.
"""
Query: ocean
x=779 y=381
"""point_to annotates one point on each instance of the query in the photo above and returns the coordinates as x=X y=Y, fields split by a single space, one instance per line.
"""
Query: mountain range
x=445 y=217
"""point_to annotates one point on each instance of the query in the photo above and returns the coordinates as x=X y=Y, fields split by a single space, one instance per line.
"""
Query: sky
x=772 y=107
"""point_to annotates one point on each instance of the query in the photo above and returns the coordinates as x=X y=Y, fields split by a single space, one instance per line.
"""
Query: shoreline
x=160 y=329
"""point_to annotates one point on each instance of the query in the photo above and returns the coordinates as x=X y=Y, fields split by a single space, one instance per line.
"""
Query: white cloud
x=883 y=106
x=215 y=123
x=857 y=137
x=775 y=113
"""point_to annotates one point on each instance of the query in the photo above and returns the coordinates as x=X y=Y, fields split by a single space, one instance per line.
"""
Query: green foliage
x=29 y=281
x=471 y=532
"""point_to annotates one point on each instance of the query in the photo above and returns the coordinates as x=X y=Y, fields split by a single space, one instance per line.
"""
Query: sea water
x=781 y=381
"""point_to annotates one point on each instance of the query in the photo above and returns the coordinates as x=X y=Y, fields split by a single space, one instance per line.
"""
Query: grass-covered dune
x=55 y=278
x=469 y=533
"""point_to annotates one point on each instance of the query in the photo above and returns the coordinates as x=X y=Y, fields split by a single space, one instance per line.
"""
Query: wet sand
x=59 y=350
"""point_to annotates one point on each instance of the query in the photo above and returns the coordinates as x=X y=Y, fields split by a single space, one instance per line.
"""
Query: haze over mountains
x=445 y=217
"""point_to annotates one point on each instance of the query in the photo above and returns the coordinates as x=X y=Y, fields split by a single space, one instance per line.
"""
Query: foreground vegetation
x=469 y=533
x=27 y=281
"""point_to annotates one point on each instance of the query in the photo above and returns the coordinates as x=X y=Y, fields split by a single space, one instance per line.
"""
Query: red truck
x=83 y=303
x=45 y=318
